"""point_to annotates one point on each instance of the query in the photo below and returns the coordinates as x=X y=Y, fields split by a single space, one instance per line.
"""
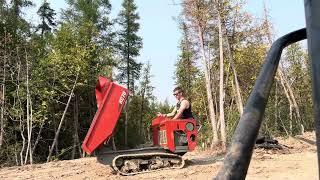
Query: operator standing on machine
x=182 y=110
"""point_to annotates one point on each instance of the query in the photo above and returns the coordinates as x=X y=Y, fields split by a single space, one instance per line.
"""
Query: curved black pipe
x=237 y=160
x=312 y=13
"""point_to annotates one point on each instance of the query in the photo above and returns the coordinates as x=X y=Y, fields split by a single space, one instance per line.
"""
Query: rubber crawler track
x=167 y=155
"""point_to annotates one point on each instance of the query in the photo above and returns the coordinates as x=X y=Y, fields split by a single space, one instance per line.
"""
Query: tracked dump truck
x=171 y=138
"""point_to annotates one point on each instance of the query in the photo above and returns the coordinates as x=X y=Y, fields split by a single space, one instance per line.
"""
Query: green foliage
x=81 y=45
x=142 y=110
x=296 y=70
x=248 y=62
x=186 y=72
x=129 y=44
x=13 y=21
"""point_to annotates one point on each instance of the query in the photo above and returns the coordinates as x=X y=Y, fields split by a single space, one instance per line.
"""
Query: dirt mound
x=297 y=160
x=81 y=168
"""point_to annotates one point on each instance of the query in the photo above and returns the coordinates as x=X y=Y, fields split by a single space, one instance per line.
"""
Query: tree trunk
x=208 y=88
x=126 y=124
x=21 y=122
x=29 y=118
x=2 y=107
x=293 y=102
x=230 y=58
x=127 y=104
x=31 y=121
x=16 y=152
x=61 y=121
x=229 y=52
x=23 y=141
x=3 y=91
x=141 y=115
x=289 y=99
x=75 y=125
x=38 y=137
x=284 y=127
x=57 y=142
x=221 y=89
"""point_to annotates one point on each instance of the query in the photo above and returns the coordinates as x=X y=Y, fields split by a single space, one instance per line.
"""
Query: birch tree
x=283 y=80
x=197 y=12
x=29 y=116
x=3 y=89
x=221 y=83
x=54 y=143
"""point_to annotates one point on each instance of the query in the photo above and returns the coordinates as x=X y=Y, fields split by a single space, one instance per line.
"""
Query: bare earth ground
x=297 y=161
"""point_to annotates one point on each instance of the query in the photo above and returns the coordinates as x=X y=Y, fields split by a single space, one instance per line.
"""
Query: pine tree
x=129 y=45
x=186 y=71
x=47 y=18
x=146 y=93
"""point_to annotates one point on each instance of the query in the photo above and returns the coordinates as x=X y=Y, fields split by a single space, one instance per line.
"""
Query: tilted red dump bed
x=111 y=99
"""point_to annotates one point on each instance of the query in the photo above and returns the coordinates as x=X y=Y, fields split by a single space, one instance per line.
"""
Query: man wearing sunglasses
x=182 y=110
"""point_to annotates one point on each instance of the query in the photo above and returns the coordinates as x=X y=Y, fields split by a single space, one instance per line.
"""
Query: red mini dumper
x=171 y=138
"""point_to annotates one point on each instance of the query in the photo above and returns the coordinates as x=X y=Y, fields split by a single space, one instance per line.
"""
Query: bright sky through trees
x=161 y=35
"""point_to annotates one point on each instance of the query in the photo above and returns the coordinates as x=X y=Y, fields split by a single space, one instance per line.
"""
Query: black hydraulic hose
x=312 y=13
x=237 y=160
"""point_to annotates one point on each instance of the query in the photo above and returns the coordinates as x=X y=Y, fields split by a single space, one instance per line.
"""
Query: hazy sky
x=161 y=35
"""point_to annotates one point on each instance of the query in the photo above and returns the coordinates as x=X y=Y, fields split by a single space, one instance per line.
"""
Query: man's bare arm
x=172 y=113
x=169 y=114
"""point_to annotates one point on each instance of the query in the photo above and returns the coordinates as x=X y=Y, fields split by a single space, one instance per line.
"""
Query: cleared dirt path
x=297 y=161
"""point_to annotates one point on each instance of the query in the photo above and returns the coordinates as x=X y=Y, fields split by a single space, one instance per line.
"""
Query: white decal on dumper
x=122 y=97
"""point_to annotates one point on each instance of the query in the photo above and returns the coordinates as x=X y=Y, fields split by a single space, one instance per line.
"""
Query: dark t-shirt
x=187 y=113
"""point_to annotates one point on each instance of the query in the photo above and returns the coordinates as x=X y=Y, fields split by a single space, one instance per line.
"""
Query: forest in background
x=48 y=73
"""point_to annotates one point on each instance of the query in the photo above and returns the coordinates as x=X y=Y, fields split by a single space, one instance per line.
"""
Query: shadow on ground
x=306 y=140
x=195 y=161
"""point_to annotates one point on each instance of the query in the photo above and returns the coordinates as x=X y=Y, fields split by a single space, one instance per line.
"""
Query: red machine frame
x=164 y=128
